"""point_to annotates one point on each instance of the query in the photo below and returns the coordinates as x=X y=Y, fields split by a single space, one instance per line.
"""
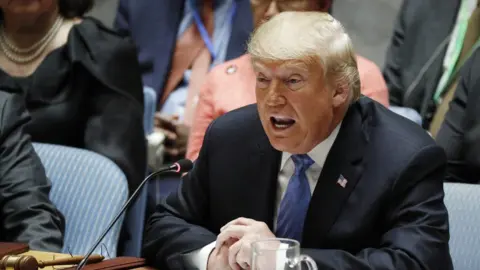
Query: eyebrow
x=280 y=69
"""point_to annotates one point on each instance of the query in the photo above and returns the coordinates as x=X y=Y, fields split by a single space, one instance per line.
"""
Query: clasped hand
x=233 y=245
x=176 y=134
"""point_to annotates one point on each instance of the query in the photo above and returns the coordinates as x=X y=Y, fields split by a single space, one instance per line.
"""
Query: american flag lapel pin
x=342 y=181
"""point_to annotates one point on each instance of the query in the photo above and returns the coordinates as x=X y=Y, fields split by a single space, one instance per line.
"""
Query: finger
x=234 y=231
x=172 y=151
x=221 y=257
x=230 y=242
x=183 y=133
x=224 y=253
x=175 y=150
x=239 y=221
x=165 y=117
x=232 y=254
x=165 y=121
x=160 y=118
x=243 y=256
x=244 y=266
x=171 y=136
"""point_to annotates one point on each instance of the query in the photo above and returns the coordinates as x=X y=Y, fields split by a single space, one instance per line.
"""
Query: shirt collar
x=320 y=152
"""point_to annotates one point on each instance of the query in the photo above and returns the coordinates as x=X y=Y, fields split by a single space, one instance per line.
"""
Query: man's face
x=263 y=10
x=296 y=107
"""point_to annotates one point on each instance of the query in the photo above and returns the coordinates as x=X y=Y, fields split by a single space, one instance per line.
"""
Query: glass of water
x=279 y=254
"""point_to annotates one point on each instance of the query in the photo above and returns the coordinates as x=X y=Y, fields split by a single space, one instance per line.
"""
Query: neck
x=24 y=32
x=339 y=114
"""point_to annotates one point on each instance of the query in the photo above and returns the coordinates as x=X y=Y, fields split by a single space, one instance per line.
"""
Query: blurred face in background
x=263 y=10
x=28 y=13
x=27 y=7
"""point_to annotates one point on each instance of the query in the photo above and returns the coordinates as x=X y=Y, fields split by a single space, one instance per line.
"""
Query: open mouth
x=280 y=122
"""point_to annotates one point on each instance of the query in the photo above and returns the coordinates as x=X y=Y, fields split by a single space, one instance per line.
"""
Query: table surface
x=47 y=256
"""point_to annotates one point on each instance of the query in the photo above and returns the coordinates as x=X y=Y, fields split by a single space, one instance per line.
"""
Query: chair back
x=89 y=189
x=463 y=205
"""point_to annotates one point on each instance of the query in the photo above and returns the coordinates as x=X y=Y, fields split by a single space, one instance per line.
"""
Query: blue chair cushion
x=89 y=190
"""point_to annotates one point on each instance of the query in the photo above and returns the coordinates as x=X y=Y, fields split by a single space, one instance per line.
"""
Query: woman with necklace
x=80 y=80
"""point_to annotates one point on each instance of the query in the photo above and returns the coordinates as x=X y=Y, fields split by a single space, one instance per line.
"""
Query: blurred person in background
x=26 y=213
x=459 y=134
x=232 y=85
x=80 y=80
x=425 y=55
x=178 y=41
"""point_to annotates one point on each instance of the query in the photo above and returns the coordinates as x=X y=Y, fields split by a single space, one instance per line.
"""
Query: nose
x=275 y=97
x=271 y=11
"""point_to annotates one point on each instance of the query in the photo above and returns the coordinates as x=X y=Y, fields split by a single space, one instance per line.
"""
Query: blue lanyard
x=203 y=30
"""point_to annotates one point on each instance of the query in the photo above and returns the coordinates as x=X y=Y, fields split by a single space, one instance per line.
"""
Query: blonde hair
x=309 y=36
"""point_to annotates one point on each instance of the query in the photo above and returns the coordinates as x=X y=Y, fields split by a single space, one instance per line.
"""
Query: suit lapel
x=264 y=163
x=168 y=15
x=344 y=159
x=242 y=27
x=441 y=30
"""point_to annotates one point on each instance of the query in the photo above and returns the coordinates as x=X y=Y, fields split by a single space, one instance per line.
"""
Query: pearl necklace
x=24 y=56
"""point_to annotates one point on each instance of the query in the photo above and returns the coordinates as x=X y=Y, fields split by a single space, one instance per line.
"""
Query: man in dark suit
x=358 y=186
x=460 y=132
x=416 y=57
x=26 y=213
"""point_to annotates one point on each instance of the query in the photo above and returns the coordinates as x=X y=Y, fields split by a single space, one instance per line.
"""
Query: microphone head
x=183 y=165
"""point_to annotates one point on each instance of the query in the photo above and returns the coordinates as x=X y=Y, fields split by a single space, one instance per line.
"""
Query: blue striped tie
x=294 y=205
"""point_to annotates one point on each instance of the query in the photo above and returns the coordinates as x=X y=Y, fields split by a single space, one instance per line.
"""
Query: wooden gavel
x=27 y=262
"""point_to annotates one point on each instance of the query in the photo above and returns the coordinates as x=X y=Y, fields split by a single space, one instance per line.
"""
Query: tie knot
x=302 y=163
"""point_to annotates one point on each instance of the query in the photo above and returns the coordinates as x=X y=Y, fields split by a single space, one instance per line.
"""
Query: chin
x=286 y=145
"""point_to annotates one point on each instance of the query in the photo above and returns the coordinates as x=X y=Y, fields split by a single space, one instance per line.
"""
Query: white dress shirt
x=198 y=259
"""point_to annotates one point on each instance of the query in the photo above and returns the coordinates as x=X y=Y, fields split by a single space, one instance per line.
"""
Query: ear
x=340 y=95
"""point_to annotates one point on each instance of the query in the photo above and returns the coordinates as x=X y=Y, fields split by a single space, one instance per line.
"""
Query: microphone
x=181 y=166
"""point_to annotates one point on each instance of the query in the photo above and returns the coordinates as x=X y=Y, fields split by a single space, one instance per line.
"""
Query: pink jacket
x=231 y=85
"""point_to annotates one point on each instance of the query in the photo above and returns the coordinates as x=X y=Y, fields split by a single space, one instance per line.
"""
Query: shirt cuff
x=198 y=259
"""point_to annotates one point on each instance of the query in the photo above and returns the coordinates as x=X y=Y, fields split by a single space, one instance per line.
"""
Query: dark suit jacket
x=153 y=25
x=391 y=214
x=460 y=131
x=417 y=33
x=26 y=213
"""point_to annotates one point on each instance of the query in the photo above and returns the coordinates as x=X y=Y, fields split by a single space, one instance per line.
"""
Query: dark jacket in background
x=420 y=29
x=153 y=25
x=88 y=94
x=26 y=213
x=460 y=132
